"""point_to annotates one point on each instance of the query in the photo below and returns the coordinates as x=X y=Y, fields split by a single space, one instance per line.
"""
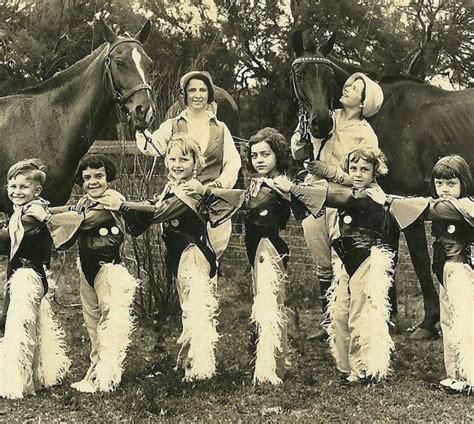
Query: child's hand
x=37 y=212
x=377 y=195
x=111 y=201
x=154 y=200
x=282 y=183
x=193 y=187
x=320 y=169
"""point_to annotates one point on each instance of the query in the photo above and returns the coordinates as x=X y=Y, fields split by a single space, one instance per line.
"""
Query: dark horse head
x=314 y=82
x=127 y=69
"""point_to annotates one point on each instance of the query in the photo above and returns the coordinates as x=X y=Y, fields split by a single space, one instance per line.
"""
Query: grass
x=152 y=391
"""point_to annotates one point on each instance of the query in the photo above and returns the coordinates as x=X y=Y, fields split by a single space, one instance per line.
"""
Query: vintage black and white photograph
x=241 y=211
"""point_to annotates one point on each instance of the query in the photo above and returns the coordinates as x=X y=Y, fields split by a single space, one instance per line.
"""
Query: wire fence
x=141 y=177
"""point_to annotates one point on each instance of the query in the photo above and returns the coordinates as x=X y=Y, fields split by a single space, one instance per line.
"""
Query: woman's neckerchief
x=16 y=229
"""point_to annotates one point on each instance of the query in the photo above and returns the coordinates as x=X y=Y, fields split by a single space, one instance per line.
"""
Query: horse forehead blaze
x=137 y=59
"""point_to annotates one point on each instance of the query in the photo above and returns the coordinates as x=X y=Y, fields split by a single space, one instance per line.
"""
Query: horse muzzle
x=320 y=128
x=141 y=115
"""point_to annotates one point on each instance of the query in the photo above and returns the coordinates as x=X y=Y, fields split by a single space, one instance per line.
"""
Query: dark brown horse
x=416 y=125
x=57 y=121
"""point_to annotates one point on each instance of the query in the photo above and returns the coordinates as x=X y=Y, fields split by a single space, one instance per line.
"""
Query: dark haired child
x=268 y=213
x=106 y=287
x=452 y=213
x=33 y=350
x=364 y=239
x=184 y=208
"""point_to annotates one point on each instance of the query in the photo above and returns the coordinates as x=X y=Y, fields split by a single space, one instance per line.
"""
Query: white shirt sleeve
x=231 y=162
x=159 y=140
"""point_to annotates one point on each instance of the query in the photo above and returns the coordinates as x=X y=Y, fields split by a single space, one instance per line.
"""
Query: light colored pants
x=359 y=312
x=318 y=233
x=219 y=237
x=95 y=310
x=446 y=322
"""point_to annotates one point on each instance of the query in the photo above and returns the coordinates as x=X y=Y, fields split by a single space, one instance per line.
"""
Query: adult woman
x=361 y=98
x=220 y=161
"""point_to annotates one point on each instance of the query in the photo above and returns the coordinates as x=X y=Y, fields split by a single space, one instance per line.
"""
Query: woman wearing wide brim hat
x=220 y=160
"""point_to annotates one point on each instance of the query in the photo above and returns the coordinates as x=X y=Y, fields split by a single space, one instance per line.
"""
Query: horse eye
x=118 y=62
x=298 y=75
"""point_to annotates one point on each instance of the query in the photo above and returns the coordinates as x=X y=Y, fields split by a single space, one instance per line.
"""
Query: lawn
x=152 y=391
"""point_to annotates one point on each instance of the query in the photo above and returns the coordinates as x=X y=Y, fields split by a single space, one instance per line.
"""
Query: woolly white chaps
x=358 y=317
x=33 y=350
x=269 y=314
x=199 y=307
x=457 y=321
x=107 y=309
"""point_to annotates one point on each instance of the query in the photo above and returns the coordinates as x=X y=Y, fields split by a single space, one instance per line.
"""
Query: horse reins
x=119 y=97
x=303 y=122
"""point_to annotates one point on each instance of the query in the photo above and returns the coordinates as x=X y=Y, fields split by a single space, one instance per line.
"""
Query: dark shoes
x=421 y=333
x=321 y=335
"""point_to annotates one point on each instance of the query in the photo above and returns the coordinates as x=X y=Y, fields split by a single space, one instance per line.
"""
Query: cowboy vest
x=453 y=241
x=212 y=157
x=360 y=229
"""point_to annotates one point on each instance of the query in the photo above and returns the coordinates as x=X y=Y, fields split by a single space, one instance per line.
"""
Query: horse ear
x=327 y=47
x=143 y=34
x=297 y=42
x=107 y=33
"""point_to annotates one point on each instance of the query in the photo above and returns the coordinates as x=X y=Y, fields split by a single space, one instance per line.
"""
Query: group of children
x=33 y=351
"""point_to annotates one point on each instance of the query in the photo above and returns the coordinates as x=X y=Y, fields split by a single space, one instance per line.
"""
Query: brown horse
x=57 y=121
x=416 y=125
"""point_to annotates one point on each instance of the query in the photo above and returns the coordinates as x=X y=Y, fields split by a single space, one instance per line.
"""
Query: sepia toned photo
x=236 y=211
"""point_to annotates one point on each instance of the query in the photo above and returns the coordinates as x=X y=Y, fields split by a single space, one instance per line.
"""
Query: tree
x=445 y=44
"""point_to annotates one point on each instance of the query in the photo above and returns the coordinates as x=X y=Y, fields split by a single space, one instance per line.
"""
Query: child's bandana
x=15 y=225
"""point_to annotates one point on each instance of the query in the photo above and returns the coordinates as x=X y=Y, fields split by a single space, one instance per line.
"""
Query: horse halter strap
x=121 y=98
x=303 y=122
x=315 y=60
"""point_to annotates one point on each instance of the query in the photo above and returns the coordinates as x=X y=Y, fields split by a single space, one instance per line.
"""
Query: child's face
x=22 y=190
x=361 y=172
x=448 y=187
x=94 y=181
x=264 y=159
x=180 y=165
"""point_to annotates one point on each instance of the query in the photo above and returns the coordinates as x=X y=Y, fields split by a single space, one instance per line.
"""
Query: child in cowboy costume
x=33 y=350
x=106 y=287
x=268 y=211
x=184 y=208
x=358 y=309
x=452 y=211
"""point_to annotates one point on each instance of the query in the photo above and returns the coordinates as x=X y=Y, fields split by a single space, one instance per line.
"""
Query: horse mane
x=383 y=79
x=388 y=79
x=62 y=77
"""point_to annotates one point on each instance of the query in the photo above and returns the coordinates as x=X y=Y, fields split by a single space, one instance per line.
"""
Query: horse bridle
x=119 y=97
x=303 y=122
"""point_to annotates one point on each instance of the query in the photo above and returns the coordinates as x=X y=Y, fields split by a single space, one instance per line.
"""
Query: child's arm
x=407 y=210
x=329 y=172
x=322 y=193
x=216 y=204
x=59 y=209
x=63 y=226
